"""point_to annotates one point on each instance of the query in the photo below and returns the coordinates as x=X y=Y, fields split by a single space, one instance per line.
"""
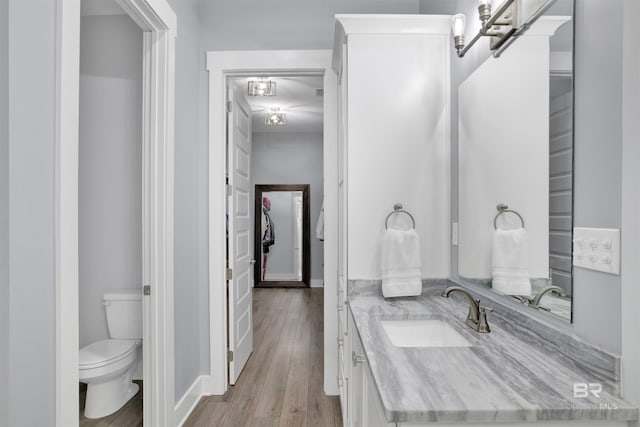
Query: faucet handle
x=483 y=326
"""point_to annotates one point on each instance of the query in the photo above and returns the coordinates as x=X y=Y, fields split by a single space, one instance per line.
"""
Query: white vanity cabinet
x=393 y=139
x=364 y=406
x=393 y=136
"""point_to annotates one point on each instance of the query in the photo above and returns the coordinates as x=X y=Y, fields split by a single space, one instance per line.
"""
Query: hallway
x=282 y=383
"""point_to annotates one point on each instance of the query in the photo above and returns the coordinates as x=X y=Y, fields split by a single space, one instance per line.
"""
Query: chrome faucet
x=477 y=317
x=535 y=301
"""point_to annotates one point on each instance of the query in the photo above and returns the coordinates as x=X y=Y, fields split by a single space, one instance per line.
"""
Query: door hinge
x=229 y=106
x=230 y=355
x=229 y=188
x=146 y=290
x=229 y=273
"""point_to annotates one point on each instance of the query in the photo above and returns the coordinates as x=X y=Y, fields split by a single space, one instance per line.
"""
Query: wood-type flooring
x=282 y=383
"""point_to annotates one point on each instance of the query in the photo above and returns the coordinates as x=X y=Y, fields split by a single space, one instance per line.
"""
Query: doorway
x=221 y=66
x=109 y=200
x=279 y=146
x=158 y=22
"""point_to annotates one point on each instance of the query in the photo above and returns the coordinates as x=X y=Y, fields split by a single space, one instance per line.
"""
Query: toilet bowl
x=107 y=367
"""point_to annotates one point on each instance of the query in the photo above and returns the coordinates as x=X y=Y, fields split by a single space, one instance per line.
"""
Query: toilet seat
x=106 y=352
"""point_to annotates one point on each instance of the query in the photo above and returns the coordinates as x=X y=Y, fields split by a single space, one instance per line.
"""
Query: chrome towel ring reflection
x=397 y=208
x=502 y=208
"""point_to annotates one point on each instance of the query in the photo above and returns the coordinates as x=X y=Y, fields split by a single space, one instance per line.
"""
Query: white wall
x=398 y=142
x=4 y=214
x=293 y=158
x=504 y=155
x=110 y=174
x=32 y=71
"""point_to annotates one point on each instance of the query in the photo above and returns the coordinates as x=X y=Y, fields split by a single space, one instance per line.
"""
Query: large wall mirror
x=282 y=236
x=516 y=167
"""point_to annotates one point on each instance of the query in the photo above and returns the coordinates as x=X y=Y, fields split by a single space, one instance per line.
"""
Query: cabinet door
x=373 y=414
x=365 y=408
x=358 y=366
x=343 y=388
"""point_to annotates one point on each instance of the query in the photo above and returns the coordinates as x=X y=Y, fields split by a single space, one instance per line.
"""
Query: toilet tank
x=124 y=313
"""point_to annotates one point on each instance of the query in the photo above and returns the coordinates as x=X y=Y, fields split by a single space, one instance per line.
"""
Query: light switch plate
x=597 y=249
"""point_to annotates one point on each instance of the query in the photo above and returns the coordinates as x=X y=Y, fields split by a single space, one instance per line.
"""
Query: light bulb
x=484 y=10
x=458 y=23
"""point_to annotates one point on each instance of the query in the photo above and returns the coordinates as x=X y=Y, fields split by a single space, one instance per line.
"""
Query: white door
x=240 y=286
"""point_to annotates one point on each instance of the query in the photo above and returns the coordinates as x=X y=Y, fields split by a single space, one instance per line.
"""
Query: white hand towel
x=400 y=263
x=510 y=262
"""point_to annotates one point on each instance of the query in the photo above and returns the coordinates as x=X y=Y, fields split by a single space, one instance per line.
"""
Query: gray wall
x=598 y=151
x=110 y=174
x=4 y=214
x=293 y=158
x=252 y=25
x=191 y=294
x=598 y=161
x=31 y=381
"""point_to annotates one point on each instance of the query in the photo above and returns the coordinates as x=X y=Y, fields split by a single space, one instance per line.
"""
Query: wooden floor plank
x=294 y=408
x=265 y=422
x=283 y=381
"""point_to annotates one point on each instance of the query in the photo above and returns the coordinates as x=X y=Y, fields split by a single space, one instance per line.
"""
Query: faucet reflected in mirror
x=520 y=152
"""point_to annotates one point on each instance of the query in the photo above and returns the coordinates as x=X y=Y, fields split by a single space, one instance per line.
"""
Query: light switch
x=597 y=249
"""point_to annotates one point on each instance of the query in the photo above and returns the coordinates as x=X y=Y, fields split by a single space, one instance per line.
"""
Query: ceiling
x=295 y=96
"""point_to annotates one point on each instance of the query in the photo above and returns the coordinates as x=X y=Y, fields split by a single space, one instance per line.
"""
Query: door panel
x=240 y=286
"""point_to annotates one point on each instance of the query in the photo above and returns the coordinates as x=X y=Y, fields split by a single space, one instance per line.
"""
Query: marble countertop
x=502 y=377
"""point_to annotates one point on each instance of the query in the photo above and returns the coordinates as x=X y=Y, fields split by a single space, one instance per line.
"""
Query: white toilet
x=107 y=366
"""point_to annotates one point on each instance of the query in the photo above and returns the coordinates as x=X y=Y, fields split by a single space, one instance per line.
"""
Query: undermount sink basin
x=423 y=333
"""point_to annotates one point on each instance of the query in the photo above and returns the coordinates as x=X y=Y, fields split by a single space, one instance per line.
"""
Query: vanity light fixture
x=275 y=118
x=502 y=26
x=261 y=87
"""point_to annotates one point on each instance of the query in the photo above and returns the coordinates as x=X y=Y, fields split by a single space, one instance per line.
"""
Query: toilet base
x=107 y=397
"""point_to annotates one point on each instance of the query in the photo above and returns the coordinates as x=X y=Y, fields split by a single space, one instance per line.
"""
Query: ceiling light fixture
x=275 y=118
x=261 y=87
x=503 y=27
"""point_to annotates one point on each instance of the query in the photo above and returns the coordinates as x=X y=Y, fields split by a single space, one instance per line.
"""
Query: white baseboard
x=187 y=404
x=317 y=283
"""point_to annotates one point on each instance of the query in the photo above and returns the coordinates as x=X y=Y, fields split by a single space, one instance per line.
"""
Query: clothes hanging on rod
x=268 y=234
x=320 y=225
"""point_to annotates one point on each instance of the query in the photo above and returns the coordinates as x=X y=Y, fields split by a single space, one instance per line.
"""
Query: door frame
x=159 y=24
x=259 y=189
x=221 y=65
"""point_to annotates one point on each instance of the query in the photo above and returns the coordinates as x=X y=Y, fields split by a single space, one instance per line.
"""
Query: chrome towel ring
x=397 y=208
x=502 y=208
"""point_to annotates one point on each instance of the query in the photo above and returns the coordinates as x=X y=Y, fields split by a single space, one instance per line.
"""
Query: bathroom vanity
x=510 y=376
x=394 y=140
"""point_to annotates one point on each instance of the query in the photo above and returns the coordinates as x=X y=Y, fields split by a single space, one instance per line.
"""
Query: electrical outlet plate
x=597 y=249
